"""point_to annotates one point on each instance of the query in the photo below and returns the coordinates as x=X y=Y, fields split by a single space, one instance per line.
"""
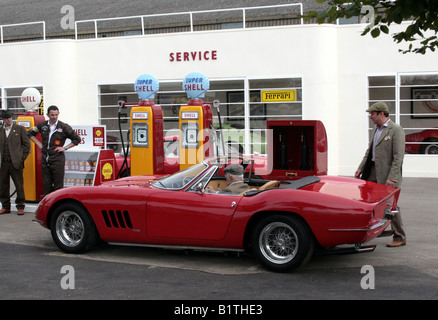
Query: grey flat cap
x=379 y=107
x=235 y=169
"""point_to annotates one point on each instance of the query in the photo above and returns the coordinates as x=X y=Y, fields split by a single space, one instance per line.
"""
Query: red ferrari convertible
x=281 y=222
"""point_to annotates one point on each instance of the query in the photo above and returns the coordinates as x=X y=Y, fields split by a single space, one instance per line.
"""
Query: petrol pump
x=147 y=150
x=33 y=183
x=195 y=122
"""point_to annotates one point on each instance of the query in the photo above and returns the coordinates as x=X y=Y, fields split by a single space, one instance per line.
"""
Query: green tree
x=421 y=34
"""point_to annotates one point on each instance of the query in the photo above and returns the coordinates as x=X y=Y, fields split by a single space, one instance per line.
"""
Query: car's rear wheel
x=73 y=229
x=282 y=243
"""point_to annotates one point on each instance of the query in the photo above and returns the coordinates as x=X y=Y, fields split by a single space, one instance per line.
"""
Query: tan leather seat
x=269 y=185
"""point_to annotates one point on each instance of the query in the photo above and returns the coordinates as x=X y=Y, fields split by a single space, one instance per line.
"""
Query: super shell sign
x=196 y=84
x=146 y=86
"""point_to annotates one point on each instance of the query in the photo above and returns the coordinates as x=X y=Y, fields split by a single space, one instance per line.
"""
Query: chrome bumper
x=390 y=213
x=357 y=248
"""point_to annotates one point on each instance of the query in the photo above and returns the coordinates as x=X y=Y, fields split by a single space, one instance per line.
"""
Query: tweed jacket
x=236 y=188
x=19 y=144
x=389 y=153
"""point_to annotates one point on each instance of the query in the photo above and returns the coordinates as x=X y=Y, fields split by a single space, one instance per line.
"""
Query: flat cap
x=6 y=114
x=379 y=107
x=235 y=169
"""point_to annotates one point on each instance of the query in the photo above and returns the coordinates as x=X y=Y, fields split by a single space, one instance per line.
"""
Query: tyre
x=282 y=243
x=429 y=146
x=431 y=149
x=72 y=228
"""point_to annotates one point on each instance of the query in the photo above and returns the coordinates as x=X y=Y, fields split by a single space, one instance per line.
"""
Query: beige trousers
x=397 y=223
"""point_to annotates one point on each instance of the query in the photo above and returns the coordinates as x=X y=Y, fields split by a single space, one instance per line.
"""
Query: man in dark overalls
x=53 y=135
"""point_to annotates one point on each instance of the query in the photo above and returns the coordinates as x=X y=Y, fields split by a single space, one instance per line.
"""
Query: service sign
x=91 y=136
x=279 y=95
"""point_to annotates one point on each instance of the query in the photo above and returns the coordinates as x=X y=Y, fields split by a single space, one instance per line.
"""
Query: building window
x=10 y=98
x=242 y=107
x=413 y=103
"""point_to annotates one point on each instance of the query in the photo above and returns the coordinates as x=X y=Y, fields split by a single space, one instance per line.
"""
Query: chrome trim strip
x=175 y=247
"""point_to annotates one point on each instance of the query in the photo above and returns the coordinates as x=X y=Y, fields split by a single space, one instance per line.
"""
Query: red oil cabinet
x=299 y=148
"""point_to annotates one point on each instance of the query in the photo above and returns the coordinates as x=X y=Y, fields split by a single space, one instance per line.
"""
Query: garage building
x=85 y=57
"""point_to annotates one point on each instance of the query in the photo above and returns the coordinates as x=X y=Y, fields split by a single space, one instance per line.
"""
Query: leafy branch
x=423 y=15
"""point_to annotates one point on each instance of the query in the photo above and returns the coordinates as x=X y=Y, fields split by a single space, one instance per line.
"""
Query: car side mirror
x=199 y=188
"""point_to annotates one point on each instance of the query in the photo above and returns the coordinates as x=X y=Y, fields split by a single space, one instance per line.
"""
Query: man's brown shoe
x=20 y=212
x=394 y=244
x=3 y=211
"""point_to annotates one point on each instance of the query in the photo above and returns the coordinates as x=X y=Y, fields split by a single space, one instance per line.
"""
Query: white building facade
x=335 y=72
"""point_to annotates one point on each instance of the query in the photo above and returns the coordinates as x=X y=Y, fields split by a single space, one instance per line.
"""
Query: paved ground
x=420 y=216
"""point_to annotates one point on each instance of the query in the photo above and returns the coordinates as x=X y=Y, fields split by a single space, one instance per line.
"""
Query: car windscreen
x=180 y=179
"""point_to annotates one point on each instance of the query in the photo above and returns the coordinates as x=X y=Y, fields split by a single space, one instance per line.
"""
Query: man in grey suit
x=14 y=149
x=383 y=160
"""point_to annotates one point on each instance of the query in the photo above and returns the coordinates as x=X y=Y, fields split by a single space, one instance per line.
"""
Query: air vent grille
x=117 y=219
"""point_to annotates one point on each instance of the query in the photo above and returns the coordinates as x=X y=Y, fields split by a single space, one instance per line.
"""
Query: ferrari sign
x=279 y=95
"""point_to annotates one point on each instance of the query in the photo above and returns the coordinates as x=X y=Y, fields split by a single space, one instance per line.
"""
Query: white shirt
x=8 y=130
x=52 y=130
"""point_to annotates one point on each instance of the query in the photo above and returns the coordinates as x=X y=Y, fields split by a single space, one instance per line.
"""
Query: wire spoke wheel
x=282 y=242
x=278 y=242
x=70 y=228
x=73 y=229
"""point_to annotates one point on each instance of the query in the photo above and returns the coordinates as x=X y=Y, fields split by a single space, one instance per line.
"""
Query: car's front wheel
x=73 y=229
x=282 y=243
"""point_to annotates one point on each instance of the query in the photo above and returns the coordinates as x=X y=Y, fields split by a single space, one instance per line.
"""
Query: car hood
x=350 y=188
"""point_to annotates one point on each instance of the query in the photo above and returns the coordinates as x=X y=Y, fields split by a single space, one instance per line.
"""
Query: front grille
x=117 y=219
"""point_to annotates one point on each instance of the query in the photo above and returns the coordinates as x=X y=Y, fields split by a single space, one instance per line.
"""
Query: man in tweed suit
x=234 y=176
x=14 y=149
x=383 y=160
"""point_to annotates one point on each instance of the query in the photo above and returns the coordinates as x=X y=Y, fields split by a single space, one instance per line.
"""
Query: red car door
x=189 y=215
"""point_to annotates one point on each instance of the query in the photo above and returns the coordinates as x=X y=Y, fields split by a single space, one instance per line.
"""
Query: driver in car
x=234 y=177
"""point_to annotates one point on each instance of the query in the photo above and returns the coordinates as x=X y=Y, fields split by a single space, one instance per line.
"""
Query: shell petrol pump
x=195 y=122
x=33 y=182
x=147 y=150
